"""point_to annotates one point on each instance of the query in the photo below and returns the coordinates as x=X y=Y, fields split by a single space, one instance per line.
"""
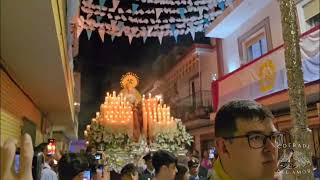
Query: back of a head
x=228 y=114
x=182 y=170
x=70 y=165
x=128 y=170
x=194 y=162
x=41 y=147
x=162 y=158
x=148 y=157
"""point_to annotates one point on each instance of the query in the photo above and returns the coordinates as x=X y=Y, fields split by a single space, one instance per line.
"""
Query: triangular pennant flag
x=175 y=35
x=115 y=4
x=160 y=36
x=79 y=30
x=145 y=38
x=158 y=12
x=89 y=32
x=200 y=11
x=173 y=28
x=181 y=12
x=99 y=19
x=102 y=33
x=130 y=36
x=221 y=5
x=134 y=8
x=150 y=28
x=101 y=2
x=192 y=33
x=112 y=38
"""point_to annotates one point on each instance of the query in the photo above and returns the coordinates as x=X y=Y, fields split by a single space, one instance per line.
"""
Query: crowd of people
x=246 y=148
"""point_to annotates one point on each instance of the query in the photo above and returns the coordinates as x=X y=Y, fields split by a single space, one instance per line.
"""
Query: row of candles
x=116 y=113
x=156 y=116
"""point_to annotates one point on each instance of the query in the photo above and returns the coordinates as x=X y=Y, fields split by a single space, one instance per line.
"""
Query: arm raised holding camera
x=8 y=150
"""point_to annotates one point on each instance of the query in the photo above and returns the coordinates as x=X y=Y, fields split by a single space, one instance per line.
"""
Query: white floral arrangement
x=174 y=140
x=120 y=148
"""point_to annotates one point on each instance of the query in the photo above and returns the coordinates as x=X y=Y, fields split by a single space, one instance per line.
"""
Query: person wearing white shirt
x=47 y=172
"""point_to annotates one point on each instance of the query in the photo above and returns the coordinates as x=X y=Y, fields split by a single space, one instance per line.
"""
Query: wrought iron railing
x=197 y=105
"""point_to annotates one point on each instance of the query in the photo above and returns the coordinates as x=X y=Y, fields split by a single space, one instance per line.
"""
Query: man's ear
x=221 y=147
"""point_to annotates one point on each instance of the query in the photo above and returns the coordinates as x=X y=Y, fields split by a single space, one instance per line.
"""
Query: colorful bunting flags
x=193 y=16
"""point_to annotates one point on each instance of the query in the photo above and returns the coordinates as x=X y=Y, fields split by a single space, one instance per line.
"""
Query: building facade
x=186 y=87
x=38 y=86
x=251 y=59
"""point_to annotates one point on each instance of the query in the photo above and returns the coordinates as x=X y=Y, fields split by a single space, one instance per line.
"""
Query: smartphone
x=98 y=156
x=212 y=153
x=51 y=146
x=86 y=175
x=17 y=161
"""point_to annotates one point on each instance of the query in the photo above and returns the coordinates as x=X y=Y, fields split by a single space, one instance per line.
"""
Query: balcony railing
x=267 y=74
x=198 y=105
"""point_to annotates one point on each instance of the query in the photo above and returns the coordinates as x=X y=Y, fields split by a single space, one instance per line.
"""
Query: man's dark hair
x=70 y=165
x=148 y=157
x=162 y=158
x=228 y=114
x=182 y=170
x=129 y=169
x=41 y=147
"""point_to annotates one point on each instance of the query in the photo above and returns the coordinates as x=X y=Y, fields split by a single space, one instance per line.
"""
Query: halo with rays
x=130 y=80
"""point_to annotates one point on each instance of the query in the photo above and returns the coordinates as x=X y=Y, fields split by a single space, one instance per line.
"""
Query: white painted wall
x=230 y=44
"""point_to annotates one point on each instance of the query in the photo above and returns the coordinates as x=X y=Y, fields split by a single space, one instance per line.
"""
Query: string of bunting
x=148 y=18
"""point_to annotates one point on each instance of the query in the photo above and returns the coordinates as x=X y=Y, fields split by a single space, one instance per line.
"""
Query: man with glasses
x=246 y=141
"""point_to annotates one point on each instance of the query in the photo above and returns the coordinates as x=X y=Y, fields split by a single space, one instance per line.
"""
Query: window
x=255 y=42
x=257 y=49
x=308 y=14
x=314 y=21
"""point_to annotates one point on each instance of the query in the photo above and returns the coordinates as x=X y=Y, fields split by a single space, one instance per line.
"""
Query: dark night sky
x=102 y=64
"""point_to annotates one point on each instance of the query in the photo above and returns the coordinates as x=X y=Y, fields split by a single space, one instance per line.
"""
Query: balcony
x=197 y=106
x=266 y=75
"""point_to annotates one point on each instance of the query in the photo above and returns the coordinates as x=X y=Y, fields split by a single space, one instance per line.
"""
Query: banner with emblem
x=267 y=74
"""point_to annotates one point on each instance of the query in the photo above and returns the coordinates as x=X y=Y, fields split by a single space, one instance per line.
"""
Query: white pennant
x=102 y=33
x=130 y=36
x=115 y=4
x=200 y=11
x=160 y=36
x=158 y=12
x=192 y=33
x=150 y=28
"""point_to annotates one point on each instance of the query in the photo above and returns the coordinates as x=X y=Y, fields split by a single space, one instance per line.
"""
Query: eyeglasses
x=256 y=140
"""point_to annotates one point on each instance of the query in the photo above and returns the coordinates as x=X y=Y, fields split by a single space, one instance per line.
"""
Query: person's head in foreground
x=182 y=173
x=148 y=160
x=193 y=165
x=129 y=172
x=247 y=141
x=71 y=166
x=164 y=164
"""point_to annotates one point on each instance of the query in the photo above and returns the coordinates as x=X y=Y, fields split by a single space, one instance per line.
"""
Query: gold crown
x=130 y=80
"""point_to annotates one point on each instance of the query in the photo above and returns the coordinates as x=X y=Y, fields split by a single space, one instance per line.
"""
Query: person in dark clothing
x=129 y=172
x=149 y=172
